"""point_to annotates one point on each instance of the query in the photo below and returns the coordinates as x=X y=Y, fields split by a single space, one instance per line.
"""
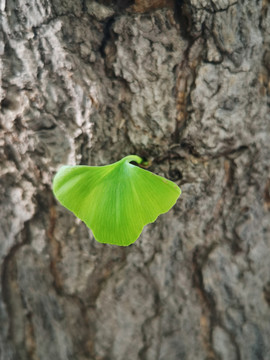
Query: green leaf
x=115 y=201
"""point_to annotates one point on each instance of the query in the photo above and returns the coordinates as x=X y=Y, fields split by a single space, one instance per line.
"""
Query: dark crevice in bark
x=146 y=325
x=209 y=309
x=185 y=78
x=186 y=149
x=117 y=5
x=214 y=8
x=85 y=345
x=147 y=6
x=266 y=292
x=175 y=174
x=101 y=274
x=183 y=17
x=207 y=300
x=266 y=195
x=55 y=247
x=108 y=36
x=46 y=203
x=83 y=140
x=10 y=291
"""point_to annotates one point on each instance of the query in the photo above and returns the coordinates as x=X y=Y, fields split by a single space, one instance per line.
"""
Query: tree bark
x=184 y=84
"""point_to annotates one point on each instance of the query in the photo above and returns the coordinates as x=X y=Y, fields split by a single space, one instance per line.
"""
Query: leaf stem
x=135 y=158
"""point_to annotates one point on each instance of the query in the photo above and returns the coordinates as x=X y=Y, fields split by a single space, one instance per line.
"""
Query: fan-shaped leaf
x=115 y=201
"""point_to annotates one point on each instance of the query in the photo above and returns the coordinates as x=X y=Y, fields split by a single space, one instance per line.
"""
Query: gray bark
x=186 y=86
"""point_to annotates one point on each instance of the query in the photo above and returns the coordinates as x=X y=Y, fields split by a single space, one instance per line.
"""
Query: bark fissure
x=12 y=297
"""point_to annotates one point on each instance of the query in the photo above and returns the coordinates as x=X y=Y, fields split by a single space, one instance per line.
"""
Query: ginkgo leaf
x=115 y=201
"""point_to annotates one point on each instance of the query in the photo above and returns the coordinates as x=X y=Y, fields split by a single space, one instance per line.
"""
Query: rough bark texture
x=185 y=84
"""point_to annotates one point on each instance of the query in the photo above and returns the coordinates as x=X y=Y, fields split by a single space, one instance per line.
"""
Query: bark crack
x=55 y=248
x=185 y=81
x=210 y=315
x=215 y=8
x=11 y=297
x=146 y=325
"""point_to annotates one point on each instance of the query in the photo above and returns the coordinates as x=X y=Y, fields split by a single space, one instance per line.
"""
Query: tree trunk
x=184 y=84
